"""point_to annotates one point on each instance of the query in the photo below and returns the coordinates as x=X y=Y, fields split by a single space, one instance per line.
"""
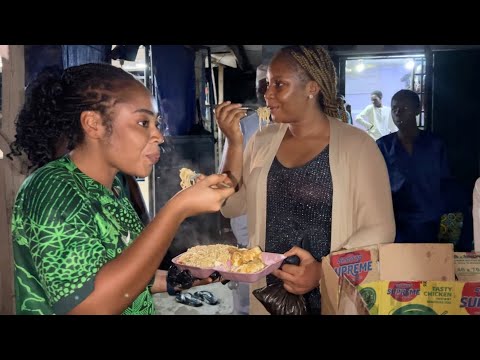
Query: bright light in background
x=409 y=65
x=360 y=67
x=418 y=69
x=388 y=74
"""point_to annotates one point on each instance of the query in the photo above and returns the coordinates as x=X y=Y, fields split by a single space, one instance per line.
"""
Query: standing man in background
x=376 y=118
x=418 y=171
x=249 y=126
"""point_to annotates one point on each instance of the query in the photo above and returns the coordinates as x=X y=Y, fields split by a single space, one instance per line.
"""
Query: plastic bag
x=183 y=280
x=279 y=301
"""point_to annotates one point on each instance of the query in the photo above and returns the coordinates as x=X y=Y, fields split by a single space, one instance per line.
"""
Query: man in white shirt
x=249 y=126
x=376 y=118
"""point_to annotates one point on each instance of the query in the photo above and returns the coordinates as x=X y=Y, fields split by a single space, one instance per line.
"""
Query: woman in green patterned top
x=79 y=246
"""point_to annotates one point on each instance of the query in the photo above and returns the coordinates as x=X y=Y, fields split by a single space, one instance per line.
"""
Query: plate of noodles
x=233 y=263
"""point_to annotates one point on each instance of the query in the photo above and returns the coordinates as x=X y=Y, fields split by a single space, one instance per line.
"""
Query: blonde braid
x=316 y=62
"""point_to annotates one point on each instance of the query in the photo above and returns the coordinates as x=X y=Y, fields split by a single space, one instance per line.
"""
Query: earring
x=310 y=96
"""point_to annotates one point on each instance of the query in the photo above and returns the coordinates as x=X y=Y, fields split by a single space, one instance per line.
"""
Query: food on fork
x=263 y=115
x=187 y=177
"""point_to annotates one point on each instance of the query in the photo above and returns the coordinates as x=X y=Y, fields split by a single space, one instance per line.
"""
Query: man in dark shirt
x=418 y=169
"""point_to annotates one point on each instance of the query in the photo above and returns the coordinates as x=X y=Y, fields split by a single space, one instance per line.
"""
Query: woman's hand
x=302 y=278
x=228 y=117
x=226 y=183
x=207 y=195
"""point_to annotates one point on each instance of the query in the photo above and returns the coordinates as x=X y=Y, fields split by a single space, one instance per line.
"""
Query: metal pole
x=220 y=100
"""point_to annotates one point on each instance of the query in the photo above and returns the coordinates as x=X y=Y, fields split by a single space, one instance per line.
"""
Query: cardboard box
x=467 y=266
x=401 y=263
x=358 y=265
x=416 y=262
x=418 y=298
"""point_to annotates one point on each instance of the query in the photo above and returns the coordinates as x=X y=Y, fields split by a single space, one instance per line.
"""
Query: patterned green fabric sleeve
x=55 y=227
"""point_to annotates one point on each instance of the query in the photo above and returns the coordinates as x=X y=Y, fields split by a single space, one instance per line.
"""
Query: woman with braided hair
x=44 y=143
x=79 y=247
x=309 y=183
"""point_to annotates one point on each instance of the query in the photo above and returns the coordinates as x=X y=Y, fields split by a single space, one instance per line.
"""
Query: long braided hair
x=314 y=63
x=54 y=102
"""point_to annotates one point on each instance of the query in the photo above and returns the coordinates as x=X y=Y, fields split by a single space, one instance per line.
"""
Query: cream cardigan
x=362 y=212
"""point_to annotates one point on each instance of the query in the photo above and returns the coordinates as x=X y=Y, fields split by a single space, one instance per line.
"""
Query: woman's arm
x=236 y=204
x=373 y=209
x=228 y=117
x=233 y=160
x=360 y=119
x=121 y=280
x=160 y=282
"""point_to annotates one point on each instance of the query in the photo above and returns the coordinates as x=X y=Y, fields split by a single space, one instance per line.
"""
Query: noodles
x=263 y=115
x=207 y=256
x=226 y=256
x=187 y=177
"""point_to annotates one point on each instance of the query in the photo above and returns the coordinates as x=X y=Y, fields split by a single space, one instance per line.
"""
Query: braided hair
x=314 y=63
x=54 y=102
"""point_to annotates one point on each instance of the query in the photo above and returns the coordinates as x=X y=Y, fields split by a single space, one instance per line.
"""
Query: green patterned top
x=66 y=226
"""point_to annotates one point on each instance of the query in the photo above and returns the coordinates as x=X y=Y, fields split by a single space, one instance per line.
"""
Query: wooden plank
x=11 y=177
x=6 y=258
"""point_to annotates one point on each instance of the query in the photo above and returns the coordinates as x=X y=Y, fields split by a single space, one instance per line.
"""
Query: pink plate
x=271 y=260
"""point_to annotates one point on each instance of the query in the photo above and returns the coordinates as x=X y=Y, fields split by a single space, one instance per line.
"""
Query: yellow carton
x=357 y=265
x=421 y=297
x=371 y=294
x=410 y=279
x=467 y=298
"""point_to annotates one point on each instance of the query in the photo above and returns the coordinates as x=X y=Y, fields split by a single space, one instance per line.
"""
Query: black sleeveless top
x=299 y=212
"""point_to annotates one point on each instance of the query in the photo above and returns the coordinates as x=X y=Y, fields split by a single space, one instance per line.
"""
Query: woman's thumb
x=214 y=179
